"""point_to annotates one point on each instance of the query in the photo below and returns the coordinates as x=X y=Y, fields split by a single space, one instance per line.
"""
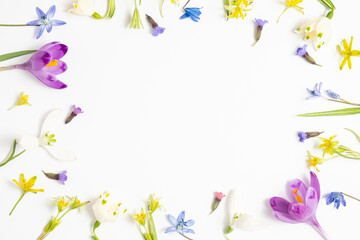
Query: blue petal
x=188 y=230
x=48 y=27
x=181 y=217
x=337 y=204
x=40 y=31
x=342 y=200
x=170 y=229
x=50 y=14
x=193 y=11
x=329 y=199
x=194 y=18
x=57 y=22
x=35 y=22
x=40 y=13
x=189 y=223
x=172 y=220
x=185 y=15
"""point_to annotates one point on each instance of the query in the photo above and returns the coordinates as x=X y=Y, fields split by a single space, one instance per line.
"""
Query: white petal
x=323 y=33
x=51 y=119
x=104 y=209
x=84 y=7
x=29 y=142
x=311 y=23
x=60 y=153
x=249 y=223
x=233 y=205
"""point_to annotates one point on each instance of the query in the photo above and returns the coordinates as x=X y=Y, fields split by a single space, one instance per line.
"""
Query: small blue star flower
x=316 y=92
x=332 y=94
x=336 y=198
x=179 y=225
x=45 y=21
x=193 y=13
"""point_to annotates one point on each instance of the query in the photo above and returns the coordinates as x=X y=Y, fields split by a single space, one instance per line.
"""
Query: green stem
x=152 y=228
x=42 y=236
x=8 y=56
x=17 y=203
x=186 y=237
x=15 y=25
x=342 y=101
x=96 y=225
x=12 y=157
x=350 y=196
x=287 y=7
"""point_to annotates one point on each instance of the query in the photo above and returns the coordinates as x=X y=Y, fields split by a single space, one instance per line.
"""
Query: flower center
x=47 y=139
x=297 y=197
x=53 y=63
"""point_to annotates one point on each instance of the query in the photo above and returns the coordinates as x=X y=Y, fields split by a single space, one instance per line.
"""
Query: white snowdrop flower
x=317 y=30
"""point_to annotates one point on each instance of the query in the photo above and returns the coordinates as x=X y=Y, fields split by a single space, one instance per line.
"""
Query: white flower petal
x=51 y=119
x=249 y=223
x=233 y=205
x=105 y=209
x=84 y=7
x=60 y=153
x=323 y=33
x=29 y=142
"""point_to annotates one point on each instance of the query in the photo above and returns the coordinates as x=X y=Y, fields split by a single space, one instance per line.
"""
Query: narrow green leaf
x=342 y=155
x=96 y=15
x=339 y=112
x=112 y=9
x=357 y=136
x=8 y=56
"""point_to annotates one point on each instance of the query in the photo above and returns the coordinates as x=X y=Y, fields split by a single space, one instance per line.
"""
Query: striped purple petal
x=48 y=79
x=58 y=69
x=39 y=60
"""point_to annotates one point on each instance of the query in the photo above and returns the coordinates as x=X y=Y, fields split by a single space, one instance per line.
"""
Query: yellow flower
x=328 y=144
x=140 y=218
x=23 y=100
x=293 y=4
x=153 y=203
x=315 y=161
x=238 y=8
x=347 y=53
x=61 y=203
x=26 y=186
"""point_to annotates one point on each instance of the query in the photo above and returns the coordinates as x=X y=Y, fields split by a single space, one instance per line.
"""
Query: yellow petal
x=31 y=183
x=23 y=180
x=36 y=190
x=346 y=46
x=343 y=62
x=351 y=42
x=349 y=62
x=17 y=183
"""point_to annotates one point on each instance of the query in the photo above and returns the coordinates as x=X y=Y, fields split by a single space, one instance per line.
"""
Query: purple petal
x=302 y=188
x=35 y=23
x=50 y=14
x=181 y=216
x=314 y=183
x=188 y=230
x=57 y=22
x=284 y=217
x=279 y=204
x=56 y=50
x=311 y=199
x=48 y=27
x=189 y=223
x=39 y=60
x=56 y=70
x=300 y=212
x=49 y=79
x=40 y=13
x=172 y=220
x=40 y=31
x=170 y=229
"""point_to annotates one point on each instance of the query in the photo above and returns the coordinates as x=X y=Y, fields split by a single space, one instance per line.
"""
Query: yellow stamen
x=297 y=197
x=53 y=63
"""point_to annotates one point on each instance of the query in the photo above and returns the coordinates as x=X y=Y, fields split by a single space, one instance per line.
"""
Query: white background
x=193 y=111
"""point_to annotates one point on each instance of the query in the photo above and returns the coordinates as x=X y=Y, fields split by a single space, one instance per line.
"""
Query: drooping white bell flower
x=105 y=209
x=317 y=30
x=83 y=7
x=46 y=139
x=241 y=221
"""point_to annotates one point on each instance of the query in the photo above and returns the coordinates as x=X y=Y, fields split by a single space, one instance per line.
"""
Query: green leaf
x=97 y=16
x=342 y=155
x=339 y=112
x=357 y=136
x=8 y=56
x=112 y=8
x=152 y=229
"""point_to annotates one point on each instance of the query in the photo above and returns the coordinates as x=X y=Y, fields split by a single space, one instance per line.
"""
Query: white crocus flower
x=84 y=7
x=241 y=221
x=317 y=30
x=46 y=139
x=105 y=209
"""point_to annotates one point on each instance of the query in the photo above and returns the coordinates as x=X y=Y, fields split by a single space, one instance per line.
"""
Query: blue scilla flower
x=316 y=92
x=45 y=21
x=179 y=224
x=332 y=94
x=336 y=198
x=193 y=13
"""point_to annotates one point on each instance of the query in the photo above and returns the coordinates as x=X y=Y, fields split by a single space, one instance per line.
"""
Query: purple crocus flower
x=303 y=205
x=45 y=63
x=316 y=92
x=61 y=177
x=332 y=94
x=336 y=198
x=75 y=111
x=45 y=21
x=193 y=13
